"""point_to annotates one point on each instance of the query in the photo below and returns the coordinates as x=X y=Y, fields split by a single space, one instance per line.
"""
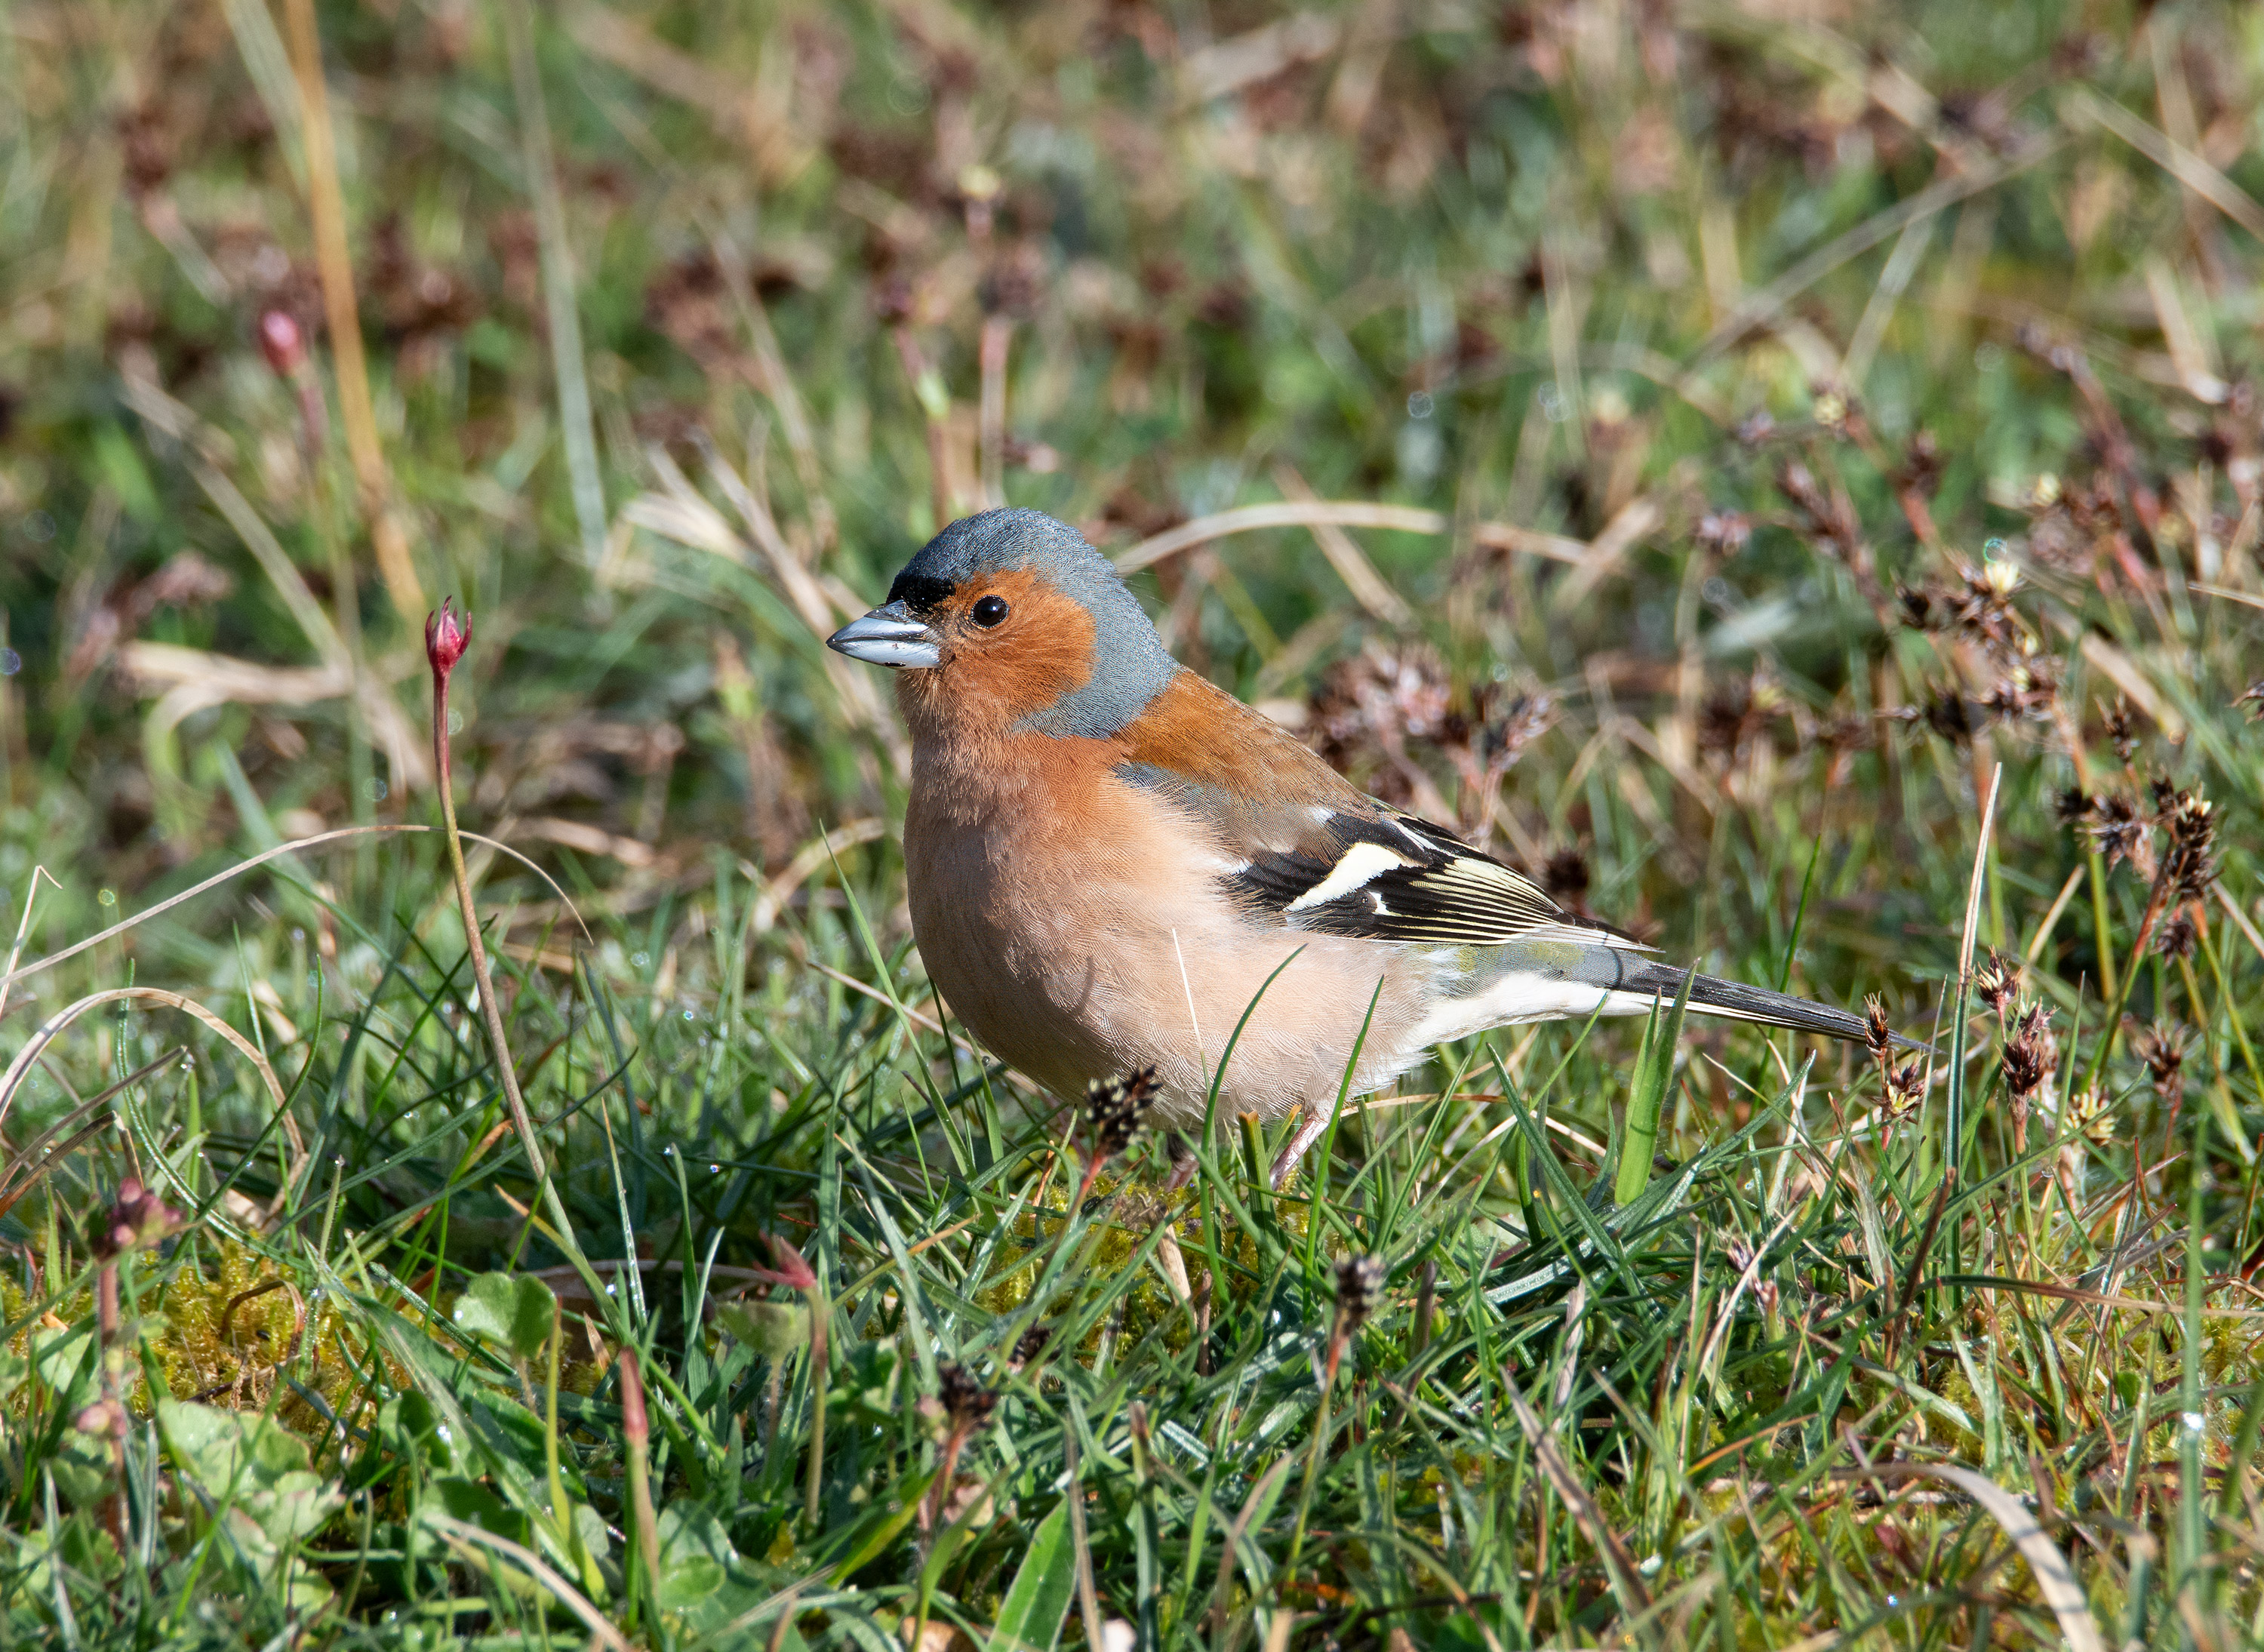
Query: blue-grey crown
x=1129 y=666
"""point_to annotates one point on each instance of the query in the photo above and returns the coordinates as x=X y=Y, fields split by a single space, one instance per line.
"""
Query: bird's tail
x=1710 y=995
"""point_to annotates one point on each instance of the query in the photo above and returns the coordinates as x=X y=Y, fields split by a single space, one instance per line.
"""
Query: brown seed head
x=2186 y=864
x=966 y=1402
x=2031 y=1054
x=2162 y=1047
x=1903 y=1089
x=1981 y=609
x=2024 y=694
x=2072 y=805
x=2120 y=732
x=1878 y=1036
x=1949 y=715
x=2175 y=936
x=1115 y=1107
x=1029 y=1346
x=1359 y=1281
x=2254 y=698
x=1998 y=981
x=1921 y=468
x=2116 y=830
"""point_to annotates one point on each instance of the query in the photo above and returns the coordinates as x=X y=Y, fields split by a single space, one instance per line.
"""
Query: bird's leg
x=1183 y=1163
x=1308 y=1132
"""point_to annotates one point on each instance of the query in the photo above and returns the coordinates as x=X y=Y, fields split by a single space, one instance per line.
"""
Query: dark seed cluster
x=1878 y=1036
x=2117 y=830
x=2162 y=1047
x=1997 y=981
x=2176 y=935
x=1115 y=1107
x=965 y=1401
x=1359 y=1280
x=2031 y=1054
x=2187 y=865
x=2120 y=733
x=1904 y=1090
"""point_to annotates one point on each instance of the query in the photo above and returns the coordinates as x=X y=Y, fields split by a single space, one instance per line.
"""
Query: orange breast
x=1074 y=924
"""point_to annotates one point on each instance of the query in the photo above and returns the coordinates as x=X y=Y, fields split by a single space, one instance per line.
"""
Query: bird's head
x=1009 y=621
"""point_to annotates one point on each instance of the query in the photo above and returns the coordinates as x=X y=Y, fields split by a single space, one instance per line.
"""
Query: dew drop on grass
x=640 y=960
x=108 y=897
x=2196 y=1422
x=1993 y=549
x=714 y=1169
x=687 y=1015
x=11 y=661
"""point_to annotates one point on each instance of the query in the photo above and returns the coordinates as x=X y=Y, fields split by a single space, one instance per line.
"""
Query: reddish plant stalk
x=638 y=1431
x=446 y=637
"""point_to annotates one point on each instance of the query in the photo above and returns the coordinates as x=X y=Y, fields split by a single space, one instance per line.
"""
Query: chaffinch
x=1108 y=857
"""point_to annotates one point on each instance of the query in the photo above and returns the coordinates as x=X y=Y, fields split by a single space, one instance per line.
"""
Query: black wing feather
x=1409 y=882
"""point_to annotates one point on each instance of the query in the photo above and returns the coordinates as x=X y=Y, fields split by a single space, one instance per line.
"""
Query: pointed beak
x=889 y=636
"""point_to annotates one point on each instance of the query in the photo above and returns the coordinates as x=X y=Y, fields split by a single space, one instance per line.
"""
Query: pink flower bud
x=139 y=1218
x=448 y=633
x=792 y=1270
x=281 y=343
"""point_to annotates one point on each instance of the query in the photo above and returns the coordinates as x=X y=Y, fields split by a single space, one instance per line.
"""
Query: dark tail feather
x=1713 y=995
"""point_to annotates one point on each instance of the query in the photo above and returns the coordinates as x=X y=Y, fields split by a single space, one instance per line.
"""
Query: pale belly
x=1134 y=961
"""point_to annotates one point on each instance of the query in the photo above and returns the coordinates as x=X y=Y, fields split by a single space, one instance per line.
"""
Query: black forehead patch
x=922 y=593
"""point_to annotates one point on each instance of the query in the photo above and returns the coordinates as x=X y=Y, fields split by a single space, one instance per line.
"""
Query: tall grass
x=1788 y=475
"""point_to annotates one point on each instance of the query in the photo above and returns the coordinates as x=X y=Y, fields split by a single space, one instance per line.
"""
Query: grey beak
x=889 y=636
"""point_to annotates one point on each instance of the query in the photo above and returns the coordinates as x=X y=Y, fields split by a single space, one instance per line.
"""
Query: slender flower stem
x=452 y=637
x=1305 y=1491
x=819 y=1310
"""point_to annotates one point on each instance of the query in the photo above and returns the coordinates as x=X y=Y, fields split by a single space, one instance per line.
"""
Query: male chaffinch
x=1108 y=857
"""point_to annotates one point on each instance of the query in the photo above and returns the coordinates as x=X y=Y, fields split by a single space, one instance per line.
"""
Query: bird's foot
x=1302 y=1143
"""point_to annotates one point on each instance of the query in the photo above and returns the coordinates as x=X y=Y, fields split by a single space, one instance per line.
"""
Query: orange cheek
x=988 y=682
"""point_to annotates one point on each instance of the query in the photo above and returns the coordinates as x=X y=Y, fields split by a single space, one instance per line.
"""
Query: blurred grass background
x=1785 y=413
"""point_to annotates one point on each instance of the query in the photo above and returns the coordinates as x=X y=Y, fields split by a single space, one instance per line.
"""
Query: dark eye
x=989 y=610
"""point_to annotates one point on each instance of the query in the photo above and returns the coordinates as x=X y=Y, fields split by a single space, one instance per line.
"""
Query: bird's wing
x=1337 y=862
x=1306 y=848
x=1385 y=876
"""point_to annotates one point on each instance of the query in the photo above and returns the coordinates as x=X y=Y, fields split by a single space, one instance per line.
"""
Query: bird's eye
x=989 y=610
